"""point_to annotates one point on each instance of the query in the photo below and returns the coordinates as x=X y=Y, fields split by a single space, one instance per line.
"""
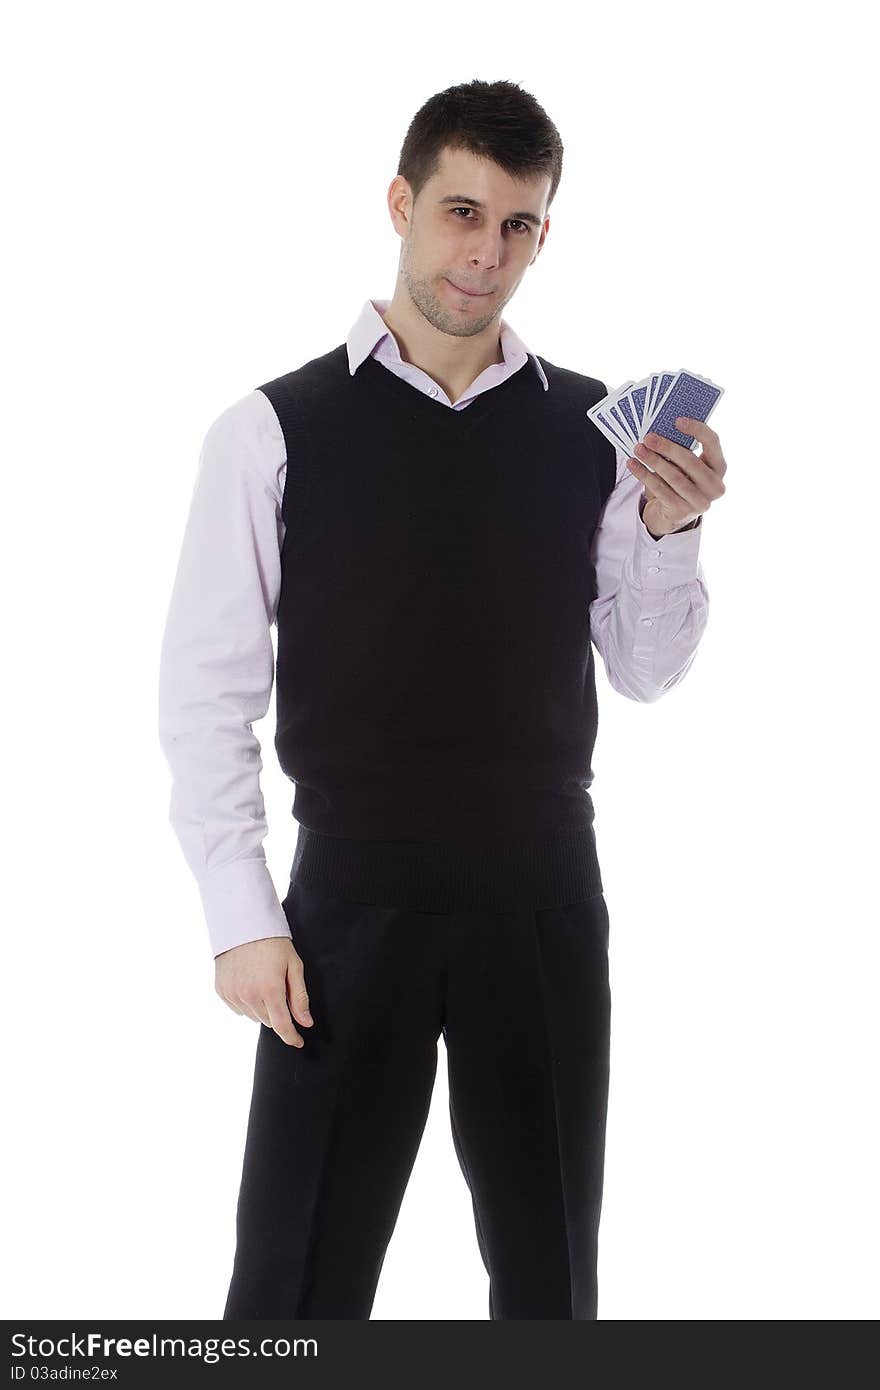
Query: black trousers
x=523 y=1003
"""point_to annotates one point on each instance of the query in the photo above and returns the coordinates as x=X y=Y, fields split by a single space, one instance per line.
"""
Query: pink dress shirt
x=217 y=661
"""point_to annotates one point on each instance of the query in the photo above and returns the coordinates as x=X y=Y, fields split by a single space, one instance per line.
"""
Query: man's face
x=451 y=246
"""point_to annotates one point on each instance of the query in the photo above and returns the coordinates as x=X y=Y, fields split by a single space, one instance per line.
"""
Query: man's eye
x=512 y=219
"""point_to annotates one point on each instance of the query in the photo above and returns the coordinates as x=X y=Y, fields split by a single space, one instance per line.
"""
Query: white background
x=199 y=204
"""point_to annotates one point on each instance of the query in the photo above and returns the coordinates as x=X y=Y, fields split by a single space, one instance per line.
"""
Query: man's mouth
x=474 y=294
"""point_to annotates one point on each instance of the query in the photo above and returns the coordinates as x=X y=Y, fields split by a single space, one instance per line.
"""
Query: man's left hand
x=684 y=484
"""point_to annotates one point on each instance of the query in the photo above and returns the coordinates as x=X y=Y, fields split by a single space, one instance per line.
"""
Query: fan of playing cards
x=655 y=403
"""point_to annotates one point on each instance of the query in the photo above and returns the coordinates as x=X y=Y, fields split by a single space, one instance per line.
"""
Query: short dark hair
x=494 y=120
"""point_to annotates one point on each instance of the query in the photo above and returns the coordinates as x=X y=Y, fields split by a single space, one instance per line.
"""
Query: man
x=439 y=533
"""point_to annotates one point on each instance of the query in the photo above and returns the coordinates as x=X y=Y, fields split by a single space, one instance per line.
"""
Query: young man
x=439 y=533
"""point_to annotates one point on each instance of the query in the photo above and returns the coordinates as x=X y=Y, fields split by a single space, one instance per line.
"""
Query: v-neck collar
x=457 y=422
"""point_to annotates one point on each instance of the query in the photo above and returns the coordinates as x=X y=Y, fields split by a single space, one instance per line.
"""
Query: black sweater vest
x=435 y=692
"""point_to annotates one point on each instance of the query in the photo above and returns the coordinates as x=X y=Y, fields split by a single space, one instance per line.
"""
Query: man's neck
x=454 y=370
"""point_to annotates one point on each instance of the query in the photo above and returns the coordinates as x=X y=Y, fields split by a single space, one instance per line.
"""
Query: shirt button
x=653 y=569
x=432 y=391
x=648 y=622
x=656 y=552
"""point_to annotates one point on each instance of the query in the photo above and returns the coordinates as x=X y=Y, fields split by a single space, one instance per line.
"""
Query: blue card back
x=689 y=395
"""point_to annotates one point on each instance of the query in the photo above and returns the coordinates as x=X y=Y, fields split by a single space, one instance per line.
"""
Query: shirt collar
x=370 y=329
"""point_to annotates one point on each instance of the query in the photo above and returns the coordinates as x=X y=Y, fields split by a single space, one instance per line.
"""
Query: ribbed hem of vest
x=495 y=875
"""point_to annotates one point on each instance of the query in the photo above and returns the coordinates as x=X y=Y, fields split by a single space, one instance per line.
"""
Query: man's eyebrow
x=472 y=202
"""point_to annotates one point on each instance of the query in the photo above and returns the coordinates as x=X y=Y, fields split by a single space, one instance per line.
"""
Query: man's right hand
x=264 y=980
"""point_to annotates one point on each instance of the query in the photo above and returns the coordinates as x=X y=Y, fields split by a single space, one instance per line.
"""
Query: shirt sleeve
x=652 y=602
x=217 y=668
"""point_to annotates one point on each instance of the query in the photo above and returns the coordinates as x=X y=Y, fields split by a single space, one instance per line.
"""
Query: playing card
x=691 y=395
x=611 y=424
x=653 y=404
x=612 y=431
x=660 y=384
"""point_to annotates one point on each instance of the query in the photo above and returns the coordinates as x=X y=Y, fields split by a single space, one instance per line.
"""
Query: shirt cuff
x=241 y=904
x=672 y=559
